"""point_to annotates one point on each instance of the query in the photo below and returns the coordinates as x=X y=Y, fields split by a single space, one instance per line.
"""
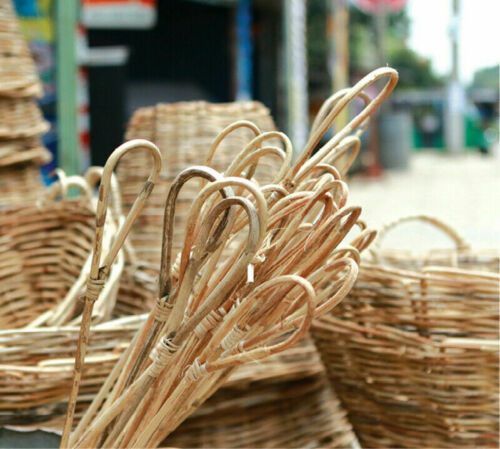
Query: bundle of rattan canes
x=186 y=134
x=413 y=352
x=282 y=401
x=283 y=266
x=267 y=404
x=22 y=124
x=48 y=250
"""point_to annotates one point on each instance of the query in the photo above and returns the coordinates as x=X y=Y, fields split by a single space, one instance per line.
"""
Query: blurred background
x=434 y=147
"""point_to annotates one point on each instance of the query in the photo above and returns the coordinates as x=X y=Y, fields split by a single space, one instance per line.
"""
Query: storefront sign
x=119 y=13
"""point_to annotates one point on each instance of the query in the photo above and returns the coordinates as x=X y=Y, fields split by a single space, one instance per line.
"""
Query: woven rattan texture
x=20 y=184
x=413 y=354
x=18 y=76
x=43 y=251
x=183 y=132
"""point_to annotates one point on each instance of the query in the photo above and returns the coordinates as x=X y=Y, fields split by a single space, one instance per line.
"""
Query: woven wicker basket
x=37 y=365
x=283 y=401
x=21 y=151
x=44 y=249
x=18 y=76
x=19 y=184
x=21 y=118
x=413 y=353
x=183 y=132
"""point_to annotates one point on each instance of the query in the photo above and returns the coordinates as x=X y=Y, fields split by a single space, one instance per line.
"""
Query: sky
x=479 y=34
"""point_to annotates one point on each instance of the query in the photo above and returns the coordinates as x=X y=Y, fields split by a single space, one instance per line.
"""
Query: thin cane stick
x=98 y=272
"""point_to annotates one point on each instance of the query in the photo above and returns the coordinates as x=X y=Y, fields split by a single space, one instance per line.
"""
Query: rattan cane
x=184 y=133
x=283 y=401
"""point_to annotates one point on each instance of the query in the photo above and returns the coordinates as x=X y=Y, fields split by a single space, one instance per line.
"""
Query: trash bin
x=395 y=139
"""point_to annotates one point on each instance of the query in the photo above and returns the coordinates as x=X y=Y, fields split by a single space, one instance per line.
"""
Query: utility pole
x=455 y=105
x=68 y=149
x=294 y=21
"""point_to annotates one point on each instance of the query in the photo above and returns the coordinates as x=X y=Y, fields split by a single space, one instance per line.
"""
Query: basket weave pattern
x=183 y=132
x=414 y=353
x=22 y=124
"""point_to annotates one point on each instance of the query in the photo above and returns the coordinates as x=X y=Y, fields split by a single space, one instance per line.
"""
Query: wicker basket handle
x=62 y=186
x=459 y=241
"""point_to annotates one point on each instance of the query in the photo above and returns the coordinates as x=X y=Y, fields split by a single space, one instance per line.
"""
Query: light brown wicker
x=20 y=184
x=215 y=313
x=44 y=248
x=22 y=151
x=37 y=364
x=21 y=118
x=462 y=256
x=45 y=264
x=282 y=401
x=105 y=254
x=184 y=133
x=413 y=353
x=18 y=75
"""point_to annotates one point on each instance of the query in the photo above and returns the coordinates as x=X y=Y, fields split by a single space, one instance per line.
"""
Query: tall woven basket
x=184 y=133
x=413 y=351
x=22 y=124
x=284 y=401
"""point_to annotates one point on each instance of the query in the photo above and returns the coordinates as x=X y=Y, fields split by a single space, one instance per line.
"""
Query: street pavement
x=462 y=190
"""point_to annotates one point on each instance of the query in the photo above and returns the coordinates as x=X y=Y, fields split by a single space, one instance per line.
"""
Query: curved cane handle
x=225 y=132
x=97 y=270
x=236 y=271
x=347 y=98
x=240 y=354
x=205 y=173
x=459 y=241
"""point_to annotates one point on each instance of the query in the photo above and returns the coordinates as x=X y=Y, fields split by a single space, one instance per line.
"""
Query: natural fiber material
x=414 y=354
x=184 y=133
x=462 y=256
x=104 y=256
x=214 y=314
x=21 y=118
x=282 y=401
x=43 y=251
x=47 y=248
x=36 y=369
x=18 y=75
x=20 y=184
x=21 y=151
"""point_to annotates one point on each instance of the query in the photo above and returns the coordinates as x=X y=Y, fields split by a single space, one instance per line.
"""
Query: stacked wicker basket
x=21 y=151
